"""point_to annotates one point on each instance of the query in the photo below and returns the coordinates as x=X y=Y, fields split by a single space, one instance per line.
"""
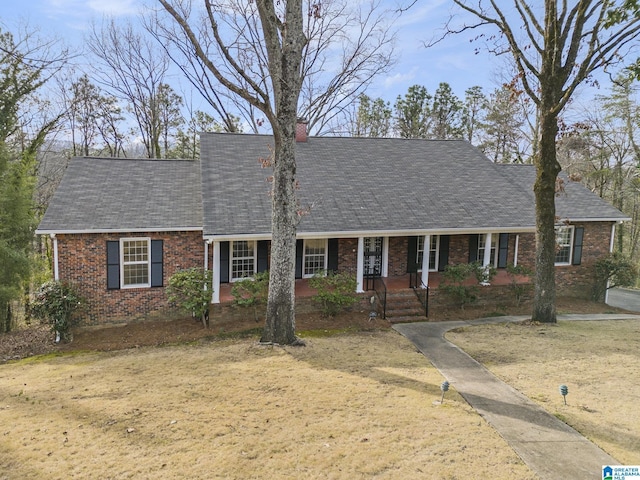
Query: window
x=136 y=264
x=315 y=257
x=434 y=247
x=493 y=259
x=243 y=259
x=564 y=241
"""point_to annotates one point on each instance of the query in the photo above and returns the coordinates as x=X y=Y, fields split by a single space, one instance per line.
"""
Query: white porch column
x=611 y=244
x=360 y=266
x=385 y=256
x=56 y=272
x=425 y=261
x=215 y=284
x=515 y=251
x=487 y=250
x=486 y=261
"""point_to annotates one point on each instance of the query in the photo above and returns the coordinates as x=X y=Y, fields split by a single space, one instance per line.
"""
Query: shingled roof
x=351 y=186
x=376 y=186
x=126 y=195
x=574 y=203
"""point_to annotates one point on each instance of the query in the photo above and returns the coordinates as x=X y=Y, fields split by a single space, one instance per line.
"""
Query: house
x=371 y=206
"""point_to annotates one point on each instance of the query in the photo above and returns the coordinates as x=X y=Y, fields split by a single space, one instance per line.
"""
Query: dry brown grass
x=353 y=406
x=598 y=360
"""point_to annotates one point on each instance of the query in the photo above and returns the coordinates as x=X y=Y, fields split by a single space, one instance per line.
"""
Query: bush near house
x=455 y=281
x=614 y=270
x=519 y=289
x=252 y=292
x=55 y=302
x=188 y=290
x=335 y=291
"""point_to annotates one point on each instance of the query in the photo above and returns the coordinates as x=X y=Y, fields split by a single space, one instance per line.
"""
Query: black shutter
x=412 y=254
x=503 y=250
x=299 y=256
x=224 y=262
x=263 y=256
x=578 y=236
x=156 y=263
x=113 y=265
x=443 y=254
x=473 y=248
x=332 y=255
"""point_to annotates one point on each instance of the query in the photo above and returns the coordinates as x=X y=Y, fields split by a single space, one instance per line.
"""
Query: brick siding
x=82 y=261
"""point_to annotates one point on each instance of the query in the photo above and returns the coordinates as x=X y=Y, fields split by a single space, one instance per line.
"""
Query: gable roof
x=123 y=195
x=373 y=186
x=352 y=186
x=575 y=203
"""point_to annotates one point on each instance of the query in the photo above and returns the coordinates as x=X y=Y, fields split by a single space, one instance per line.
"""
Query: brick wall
x=578 y=280
x=82 y=261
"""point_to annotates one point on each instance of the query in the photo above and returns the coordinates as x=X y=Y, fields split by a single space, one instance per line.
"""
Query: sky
x=453 y=60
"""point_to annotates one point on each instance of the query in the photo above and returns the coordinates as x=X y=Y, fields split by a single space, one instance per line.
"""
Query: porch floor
x=395 y=283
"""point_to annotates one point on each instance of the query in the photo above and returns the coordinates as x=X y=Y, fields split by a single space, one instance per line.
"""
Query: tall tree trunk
x=280 y=324
x=285 y=58
x=547 y=168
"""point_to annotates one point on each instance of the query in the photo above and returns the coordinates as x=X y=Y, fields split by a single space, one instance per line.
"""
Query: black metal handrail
x=413 y=283
x=377 y=284
x=380 y=280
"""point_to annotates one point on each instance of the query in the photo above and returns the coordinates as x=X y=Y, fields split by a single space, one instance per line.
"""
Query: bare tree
x=348 y=45
x=271 y=83
x=134 y=69
x=555 y=48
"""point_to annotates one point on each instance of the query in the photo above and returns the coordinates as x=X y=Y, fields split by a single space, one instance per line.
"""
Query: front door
x=372 y=259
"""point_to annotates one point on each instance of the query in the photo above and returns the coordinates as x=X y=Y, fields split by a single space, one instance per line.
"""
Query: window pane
x=136 y=274
x=135 y=263
x=314 y=256
x=242 y=262
x=563 y=245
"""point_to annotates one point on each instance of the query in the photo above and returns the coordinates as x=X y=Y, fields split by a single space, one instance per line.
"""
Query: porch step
x=403 y=305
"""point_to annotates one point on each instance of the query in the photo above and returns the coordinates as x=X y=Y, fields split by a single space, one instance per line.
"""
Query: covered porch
x=395 y=283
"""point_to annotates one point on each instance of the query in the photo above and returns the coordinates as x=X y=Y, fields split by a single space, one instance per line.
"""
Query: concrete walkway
x=548 y=446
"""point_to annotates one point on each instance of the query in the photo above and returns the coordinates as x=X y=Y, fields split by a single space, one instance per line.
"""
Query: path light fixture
x=444 y=386
x=563 y=391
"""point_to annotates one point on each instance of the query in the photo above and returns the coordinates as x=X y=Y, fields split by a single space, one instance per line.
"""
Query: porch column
x=385 y=256
x=360 y=266
x=515 y=251
x=215 y=284
x=487 y=250
x=486 y=261
x=56 y=272
x=611 y=244
x=425 y=261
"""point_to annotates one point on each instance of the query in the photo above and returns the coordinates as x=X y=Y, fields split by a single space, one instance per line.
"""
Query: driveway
x=624 y=298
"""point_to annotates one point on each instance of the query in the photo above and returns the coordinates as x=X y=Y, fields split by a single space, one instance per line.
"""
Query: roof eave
x=46 y=231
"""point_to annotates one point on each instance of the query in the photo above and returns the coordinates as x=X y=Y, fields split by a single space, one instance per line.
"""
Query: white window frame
x=254 y=259
x=304 y=255
x=495 y=240
x=559 y=246
x=135 y=262
x=419 y=251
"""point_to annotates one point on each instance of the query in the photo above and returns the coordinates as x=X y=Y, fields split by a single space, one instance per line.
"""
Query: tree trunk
x=280 y=324
x=547 y=168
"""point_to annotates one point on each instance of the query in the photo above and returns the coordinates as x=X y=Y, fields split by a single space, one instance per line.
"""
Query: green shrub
x=453 y=282
x=252 y=292
x=190 y=290
x=519 y=289
x=614 y=270
x=335 y=291
x=55 y=302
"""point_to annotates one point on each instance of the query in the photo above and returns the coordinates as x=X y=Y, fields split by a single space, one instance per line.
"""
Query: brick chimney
x=301 y=130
